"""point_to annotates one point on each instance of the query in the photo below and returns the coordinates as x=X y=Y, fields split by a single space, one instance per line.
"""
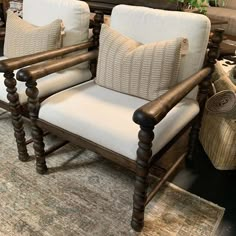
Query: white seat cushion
x=105 y=117
x=148 y=25
x=48 y=84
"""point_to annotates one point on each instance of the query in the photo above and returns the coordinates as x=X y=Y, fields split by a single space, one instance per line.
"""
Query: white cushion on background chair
x=104 y=116
x=147 y=25
x=74 y=14
x=48 y=84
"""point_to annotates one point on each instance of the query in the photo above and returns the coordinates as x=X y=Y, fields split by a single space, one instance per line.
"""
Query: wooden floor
x=214 y=185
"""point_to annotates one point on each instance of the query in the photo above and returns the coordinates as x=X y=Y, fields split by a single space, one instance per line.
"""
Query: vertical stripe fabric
x=142 y=70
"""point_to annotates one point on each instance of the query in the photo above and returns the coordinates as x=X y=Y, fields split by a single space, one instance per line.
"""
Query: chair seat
x=104 y=116
x=49 y=84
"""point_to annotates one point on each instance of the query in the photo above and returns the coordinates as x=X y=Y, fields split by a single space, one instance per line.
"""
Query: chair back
x=147 y=25
x=74 y=14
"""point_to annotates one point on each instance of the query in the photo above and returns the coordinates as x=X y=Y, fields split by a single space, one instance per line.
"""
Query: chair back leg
x=204 y=88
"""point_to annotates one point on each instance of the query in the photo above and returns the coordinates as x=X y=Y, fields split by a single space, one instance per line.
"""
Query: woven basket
x=218 y=138
x=218 y=131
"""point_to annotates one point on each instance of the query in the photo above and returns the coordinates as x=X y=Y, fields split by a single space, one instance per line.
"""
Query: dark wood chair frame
x=19 y=111
x=106 y=6
x=146 y=117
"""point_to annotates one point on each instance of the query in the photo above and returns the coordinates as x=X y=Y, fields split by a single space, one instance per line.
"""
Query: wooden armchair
x=97 y=116
x=75 y=16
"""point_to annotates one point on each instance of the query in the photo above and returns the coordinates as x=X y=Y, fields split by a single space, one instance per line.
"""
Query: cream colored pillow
x=23 y=38
x=142 y=70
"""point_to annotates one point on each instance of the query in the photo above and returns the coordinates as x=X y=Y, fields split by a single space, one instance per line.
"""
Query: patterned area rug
x=83 y=194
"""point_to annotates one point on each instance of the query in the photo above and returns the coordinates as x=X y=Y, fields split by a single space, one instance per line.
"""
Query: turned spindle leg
x=37 y=133
x=15 y=110
x=98 y=20
x=144 y=153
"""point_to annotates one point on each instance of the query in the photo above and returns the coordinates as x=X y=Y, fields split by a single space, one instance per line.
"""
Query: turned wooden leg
x=97 y=23
x=144 y=153
x=17 y=121
x=39 y=151
x=37 y=133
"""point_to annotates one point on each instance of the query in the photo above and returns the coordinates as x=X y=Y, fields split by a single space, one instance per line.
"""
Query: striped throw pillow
x=143 y=70
x=23 y=38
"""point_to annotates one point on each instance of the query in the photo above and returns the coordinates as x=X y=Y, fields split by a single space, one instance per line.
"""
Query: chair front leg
x=17 y=121
x=144 y=154
x=36 y=131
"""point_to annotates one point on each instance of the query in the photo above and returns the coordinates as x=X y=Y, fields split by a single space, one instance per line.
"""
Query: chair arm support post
x=36 y=132
x=38 y=71
x=144 y=153
x=19 y=62
x=214 y=47
x=203 y=93
x=98 y=21
x=154 y=111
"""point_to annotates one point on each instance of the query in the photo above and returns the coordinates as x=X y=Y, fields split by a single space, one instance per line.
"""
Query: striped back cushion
x=142 y=70
x=22 y=38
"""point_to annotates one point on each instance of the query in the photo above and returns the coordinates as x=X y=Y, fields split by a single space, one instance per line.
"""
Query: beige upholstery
x=75 y=16
x=104 y=116
x=75 y=109
x=124 y=128
x=23 y=38
x=49 y=84
x=142 y=70
x=147 y=25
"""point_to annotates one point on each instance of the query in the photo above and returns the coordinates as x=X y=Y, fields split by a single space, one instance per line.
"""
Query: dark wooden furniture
x=20 y=111
x=8 y=66
x=146 y=117
x=106 y=5
x=227 y=49
x=218 y=22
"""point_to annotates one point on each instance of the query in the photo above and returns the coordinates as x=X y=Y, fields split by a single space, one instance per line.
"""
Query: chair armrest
x=154 y=111
x=19 y=62
x=38 y=71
